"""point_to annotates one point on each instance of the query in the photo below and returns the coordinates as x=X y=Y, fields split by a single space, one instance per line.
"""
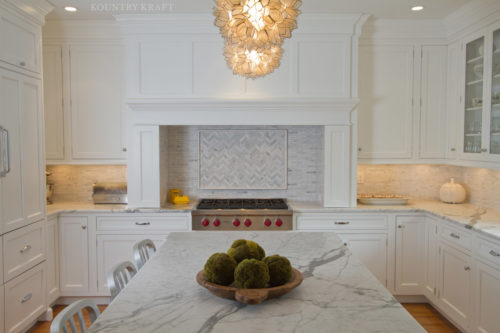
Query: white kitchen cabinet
x=337 y=175
x=96 y=106
x=23 y=187
x=114 y=249
x=371 y=249
x=2 y=308
x=74 y=255
x=385 y=110
x=20 y=42
x=486 y=298
x=455 y=284
x=410 y=254
x=453 y=99
x=52 y=262
x=53 y=102
x=431 y=260
x=433 y=102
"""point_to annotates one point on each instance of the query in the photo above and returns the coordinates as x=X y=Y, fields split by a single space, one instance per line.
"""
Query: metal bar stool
x=66 y=316
x=143 y=250
x=119 y=277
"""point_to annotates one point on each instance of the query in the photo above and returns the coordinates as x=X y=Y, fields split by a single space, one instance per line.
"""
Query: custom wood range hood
x=176 y=75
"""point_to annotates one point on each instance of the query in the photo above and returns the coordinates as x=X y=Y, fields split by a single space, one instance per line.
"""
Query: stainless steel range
x=242 y=214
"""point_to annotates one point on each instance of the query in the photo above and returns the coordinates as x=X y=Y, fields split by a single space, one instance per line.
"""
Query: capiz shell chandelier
x=256 y=23
x=252 y=62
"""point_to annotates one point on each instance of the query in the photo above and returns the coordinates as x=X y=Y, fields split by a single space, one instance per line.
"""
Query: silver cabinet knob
x=84 y=227
x=453 y=149
x=401 y=226
x=467 y=268
x=494 y=253
x=360 y=149
x=26 y=248
x=22 y=63
x=124 y=149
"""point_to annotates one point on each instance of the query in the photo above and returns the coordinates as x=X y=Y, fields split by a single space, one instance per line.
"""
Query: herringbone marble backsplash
x=179 y=161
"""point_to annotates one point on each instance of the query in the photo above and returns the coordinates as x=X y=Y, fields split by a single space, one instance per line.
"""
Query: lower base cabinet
x=487 y=298
x=114 y=249
x=52 y=261
x=25 y=297
x=454 y=285
x=371 y=249
x=2 y=308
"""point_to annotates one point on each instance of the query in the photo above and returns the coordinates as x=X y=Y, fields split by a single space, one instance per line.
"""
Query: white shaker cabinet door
x=96 y=79
x=53 y=102
x=455 y=282
x=410 y=254
x=371 y=249
x=2 y=308
x=487 y=298
x=52 y=263
x=73 y=240
x=385 y=109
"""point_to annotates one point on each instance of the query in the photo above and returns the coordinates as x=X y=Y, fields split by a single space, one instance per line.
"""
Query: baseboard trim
x=411 y=299
x=66 y=300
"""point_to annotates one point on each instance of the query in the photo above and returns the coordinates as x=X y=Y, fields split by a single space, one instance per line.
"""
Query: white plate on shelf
x=383 y=201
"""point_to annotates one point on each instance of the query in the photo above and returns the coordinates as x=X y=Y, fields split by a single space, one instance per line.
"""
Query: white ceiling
x=389 y=9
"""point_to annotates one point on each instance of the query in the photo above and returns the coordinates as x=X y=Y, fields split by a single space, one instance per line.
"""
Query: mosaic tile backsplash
x=242 y=159
x=179 y=162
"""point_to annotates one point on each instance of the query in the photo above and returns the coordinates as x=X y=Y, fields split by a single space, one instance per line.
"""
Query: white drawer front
x=489 y=251
x=340 y=222
x=460 y=238
x=25 y=299
x=23 y=249
x=143 y=224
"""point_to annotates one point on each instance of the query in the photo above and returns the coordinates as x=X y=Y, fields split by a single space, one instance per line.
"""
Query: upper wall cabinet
x=386 y=93
x=402 y=112
x=481 y=109
x=23 y=40
x=317 y=61
x=84 y=103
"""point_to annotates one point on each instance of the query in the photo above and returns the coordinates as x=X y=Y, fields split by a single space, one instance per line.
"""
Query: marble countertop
x=482 y=219
x=338 y=292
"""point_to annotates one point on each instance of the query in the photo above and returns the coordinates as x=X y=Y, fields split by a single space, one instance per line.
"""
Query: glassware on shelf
x=495 y=96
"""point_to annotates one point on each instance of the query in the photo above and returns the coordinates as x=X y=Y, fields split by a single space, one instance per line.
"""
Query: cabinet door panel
x=114 y=249
x=12 y=211
x=487 y=294
x=385 y=109
x=433 y=108
x=2 y=308
x=371 y=249
x=73 y=239
x=455 y=284
x=410 y=254
x=96 y=101
x=53 y=102
x=20 y=42
x=33 y=151
x=431 y=247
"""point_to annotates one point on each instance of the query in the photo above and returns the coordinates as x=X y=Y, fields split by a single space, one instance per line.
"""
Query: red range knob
x=279 y=223
x=236 y=222
x=267 y=222
x=205 y=222
x=216 y=222
x=248 y=222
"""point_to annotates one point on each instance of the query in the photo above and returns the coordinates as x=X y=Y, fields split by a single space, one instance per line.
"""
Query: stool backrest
x=67 y=317
x=119 y=277
x=143 y=250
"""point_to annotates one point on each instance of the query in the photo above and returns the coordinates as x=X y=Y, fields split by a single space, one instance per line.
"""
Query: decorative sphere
x=280 y=270
x=452 y=192
x=246 y=249
x=219 y=269
x=251 y=274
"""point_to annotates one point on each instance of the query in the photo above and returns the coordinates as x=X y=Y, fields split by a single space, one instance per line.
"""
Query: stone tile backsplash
x=424 y=181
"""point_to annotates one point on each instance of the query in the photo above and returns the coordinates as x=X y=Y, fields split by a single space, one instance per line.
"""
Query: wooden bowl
x=250 y=296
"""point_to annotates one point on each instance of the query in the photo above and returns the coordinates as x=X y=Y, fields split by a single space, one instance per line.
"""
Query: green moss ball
x=251 y=274
x=280 y=270
x=246 y=249
x=219 y=269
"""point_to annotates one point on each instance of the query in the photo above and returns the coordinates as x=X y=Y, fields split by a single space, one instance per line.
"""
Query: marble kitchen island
x=338 y=293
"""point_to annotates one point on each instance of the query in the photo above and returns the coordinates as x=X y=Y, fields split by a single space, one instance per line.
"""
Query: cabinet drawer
x=144 y=223
x=25 y=298
x=340 y=222
x=23 y=249
x=488 y=251
x=459 y=238
x=20 y=42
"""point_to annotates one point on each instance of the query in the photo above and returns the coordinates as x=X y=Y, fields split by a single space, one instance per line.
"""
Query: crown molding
x=470 y=17
x=379 y=29
x=34 y=10
x=61 y=30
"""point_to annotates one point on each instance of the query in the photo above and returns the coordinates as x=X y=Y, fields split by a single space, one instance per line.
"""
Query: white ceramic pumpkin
x=452 y=192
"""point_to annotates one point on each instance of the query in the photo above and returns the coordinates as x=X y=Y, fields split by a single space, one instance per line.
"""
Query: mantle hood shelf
x=291 y=111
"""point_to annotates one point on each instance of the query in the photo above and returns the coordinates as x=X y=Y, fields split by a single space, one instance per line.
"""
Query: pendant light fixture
x=252 y=62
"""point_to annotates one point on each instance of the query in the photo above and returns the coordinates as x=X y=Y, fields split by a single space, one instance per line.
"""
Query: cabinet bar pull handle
x=401 y=226
x=341 y=222
x=455 y=235
x=142 y=223
x=5 y=151
x=26 y=298
x=84 y=227
x=494 y=253
x=25 y=249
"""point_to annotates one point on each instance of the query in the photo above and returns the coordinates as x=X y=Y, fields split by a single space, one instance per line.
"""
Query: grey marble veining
x=338 y=293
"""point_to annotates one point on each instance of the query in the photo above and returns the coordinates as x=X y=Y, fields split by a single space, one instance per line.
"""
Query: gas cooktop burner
x=242 y=204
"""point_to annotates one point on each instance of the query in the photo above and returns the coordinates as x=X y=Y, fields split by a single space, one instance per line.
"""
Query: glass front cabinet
x=481 y=117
